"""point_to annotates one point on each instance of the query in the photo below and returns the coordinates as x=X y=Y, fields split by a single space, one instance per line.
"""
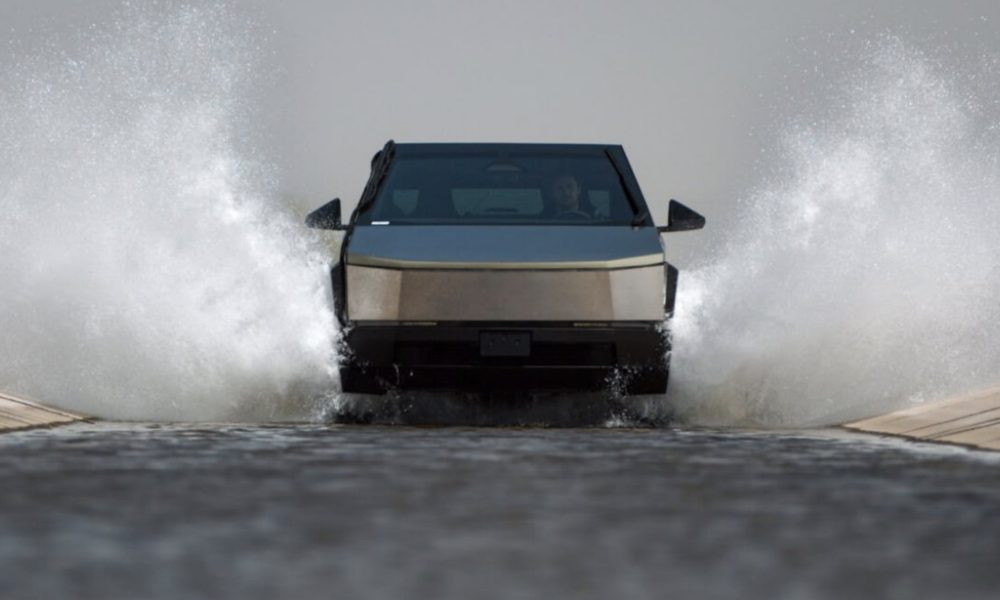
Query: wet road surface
x=308 y=511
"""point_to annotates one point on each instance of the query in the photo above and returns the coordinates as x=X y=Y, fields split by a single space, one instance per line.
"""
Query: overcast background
x=697 y=92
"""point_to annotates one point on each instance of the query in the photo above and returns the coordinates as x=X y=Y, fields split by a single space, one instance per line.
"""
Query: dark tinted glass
x=501 y=188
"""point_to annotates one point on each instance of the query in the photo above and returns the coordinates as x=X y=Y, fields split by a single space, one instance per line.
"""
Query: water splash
x=863 y=275
x=148 y=270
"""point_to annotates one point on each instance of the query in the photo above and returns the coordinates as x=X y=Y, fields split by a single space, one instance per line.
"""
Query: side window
x=402 y=203
x=600 y=203
x=405 y=201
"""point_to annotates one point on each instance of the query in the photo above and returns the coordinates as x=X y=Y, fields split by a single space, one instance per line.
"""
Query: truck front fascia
x=460 y=357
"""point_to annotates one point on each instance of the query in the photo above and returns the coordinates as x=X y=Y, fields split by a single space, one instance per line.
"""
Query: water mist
x=863 y=274
x=148 y=270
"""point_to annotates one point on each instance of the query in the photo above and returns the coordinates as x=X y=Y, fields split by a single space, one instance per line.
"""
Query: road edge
x=969 y=420
x=18 y=414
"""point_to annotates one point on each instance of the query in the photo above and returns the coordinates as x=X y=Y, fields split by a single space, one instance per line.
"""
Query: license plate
x=505 y=343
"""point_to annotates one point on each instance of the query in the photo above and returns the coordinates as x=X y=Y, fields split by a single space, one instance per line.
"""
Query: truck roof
x=492 y=147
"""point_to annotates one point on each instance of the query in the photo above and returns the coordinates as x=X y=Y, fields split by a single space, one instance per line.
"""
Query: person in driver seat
x=564 y=197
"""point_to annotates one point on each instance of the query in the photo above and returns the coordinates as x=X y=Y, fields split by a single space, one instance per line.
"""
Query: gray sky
x=694 y=90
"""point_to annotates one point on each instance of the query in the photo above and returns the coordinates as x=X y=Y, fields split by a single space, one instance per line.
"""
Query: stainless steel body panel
x=595 y=295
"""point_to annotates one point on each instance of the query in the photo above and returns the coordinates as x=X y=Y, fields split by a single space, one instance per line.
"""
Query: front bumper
x=484 y=357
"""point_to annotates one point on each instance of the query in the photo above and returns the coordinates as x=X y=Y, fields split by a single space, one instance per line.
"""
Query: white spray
x=865 y=274
x=147 y=270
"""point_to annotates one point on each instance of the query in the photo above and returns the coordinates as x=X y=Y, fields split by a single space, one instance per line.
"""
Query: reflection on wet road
x=151 y=511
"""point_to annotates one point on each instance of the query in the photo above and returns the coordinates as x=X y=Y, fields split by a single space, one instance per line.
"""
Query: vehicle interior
x=492 y=190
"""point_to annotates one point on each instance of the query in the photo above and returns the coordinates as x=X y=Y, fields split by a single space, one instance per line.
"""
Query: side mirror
x=682 y=218
x=326 y=217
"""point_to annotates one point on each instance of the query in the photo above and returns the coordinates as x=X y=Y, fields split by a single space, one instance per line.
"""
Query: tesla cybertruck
x=503 y=267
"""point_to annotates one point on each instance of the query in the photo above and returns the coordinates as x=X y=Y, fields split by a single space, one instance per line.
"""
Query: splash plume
x=149 y=270
x=863 y=273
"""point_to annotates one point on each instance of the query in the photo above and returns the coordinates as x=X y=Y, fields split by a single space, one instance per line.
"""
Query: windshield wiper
x=640 y=215
x=380 y=168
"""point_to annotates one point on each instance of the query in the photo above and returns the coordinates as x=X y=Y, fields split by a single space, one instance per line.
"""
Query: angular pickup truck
x=503 y=267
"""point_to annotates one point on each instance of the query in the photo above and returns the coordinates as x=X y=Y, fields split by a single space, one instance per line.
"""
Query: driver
x=564 y=192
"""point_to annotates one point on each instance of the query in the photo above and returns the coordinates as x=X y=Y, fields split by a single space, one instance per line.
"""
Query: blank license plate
x=505 y=343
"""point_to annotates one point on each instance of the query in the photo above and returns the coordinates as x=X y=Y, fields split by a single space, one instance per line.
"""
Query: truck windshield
x=495 y=188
